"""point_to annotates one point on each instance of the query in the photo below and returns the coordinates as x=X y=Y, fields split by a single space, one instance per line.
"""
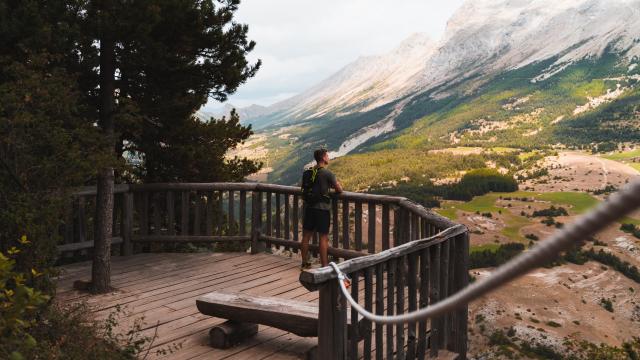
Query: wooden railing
x=377 y=237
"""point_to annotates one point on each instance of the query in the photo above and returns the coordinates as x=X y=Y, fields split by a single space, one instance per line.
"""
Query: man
x=316 y=183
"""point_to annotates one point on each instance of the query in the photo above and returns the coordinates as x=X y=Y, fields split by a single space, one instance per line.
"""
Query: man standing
x=316 y=183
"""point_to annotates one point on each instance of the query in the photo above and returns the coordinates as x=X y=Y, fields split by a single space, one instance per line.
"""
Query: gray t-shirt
x=326 y=180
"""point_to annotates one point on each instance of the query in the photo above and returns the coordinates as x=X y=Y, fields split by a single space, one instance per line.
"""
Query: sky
x=302 y=42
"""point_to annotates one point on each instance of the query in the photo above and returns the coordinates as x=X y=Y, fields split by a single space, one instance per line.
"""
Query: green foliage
x=479 y=182
x=19 y=305
x=606 y=304
x=551 y=212
x=624 y=267
x=494 y=257
x=631 y=229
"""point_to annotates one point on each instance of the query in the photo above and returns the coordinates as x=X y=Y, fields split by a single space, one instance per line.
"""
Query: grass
x=491 y=247
x=621 y=156
x=579 y=202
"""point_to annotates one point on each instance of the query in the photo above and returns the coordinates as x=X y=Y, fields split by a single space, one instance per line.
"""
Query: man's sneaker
x=305 y=266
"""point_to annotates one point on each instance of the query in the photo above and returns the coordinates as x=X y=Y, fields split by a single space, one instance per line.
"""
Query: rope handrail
x=615 y=207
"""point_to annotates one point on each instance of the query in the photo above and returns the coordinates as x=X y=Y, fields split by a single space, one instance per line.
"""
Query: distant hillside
x=518 y=74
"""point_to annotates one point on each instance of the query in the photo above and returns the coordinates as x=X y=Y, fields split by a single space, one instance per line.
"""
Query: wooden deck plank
x=163 y=288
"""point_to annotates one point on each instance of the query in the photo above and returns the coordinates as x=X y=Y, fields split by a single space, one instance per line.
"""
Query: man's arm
x=338 y=187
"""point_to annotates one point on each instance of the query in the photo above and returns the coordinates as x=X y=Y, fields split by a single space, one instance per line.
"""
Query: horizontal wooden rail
x=85 y=245
x=311 y=279
x=336 y=252
x=189 y=238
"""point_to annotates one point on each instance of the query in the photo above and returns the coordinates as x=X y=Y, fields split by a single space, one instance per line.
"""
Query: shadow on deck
x=162 y=288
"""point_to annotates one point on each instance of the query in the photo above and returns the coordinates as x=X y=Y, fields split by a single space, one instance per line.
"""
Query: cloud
x=302 y=42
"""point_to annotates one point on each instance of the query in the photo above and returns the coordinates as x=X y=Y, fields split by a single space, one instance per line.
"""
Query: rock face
x=484 y=37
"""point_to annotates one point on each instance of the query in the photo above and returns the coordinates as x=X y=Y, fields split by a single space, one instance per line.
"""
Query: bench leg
x=230 y=333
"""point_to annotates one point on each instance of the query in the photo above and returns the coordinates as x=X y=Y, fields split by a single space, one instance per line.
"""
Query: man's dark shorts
x=316 y=220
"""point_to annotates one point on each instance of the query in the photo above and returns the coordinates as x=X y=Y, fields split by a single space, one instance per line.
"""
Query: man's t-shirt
x=325 y=181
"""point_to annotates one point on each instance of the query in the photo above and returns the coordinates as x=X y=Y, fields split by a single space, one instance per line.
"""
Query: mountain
x=248 y=112
x=365 y=84
x=505 y=73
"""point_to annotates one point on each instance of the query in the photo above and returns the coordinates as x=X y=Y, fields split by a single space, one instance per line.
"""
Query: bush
x=533 y=237
x=551 y=212
x=492 y=258
x=479 y=182
x=606 y=304
x=19 y=307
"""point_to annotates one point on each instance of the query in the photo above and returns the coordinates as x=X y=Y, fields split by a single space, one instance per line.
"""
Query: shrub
x=533 y=237
x=551 y=212
x=553 y=323
x=491 y=258
x=606 y=304
x=499 y=338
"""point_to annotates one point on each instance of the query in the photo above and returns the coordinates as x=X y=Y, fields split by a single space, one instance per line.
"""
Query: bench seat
x=298 y=317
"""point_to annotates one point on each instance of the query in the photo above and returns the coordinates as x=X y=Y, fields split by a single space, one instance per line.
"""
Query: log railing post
x=257 y=245
x=461 y=280
x=332 y=322
x=127 y=223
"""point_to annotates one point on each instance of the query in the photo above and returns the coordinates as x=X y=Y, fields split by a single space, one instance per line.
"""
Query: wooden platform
x=161 y=291
x=162 y=288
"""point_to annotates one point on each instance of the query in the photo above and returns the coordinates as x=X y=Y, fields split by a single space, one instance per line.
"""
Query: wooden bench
x=244 y=313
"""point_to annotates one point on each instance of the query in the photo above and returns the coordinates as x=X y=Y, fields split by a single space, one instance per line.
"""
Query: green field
x=577 y=203
x=623 y=155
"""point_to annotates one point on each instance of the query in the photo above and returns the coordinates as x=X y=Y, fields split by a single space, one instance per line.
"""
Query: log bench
x=244 y=313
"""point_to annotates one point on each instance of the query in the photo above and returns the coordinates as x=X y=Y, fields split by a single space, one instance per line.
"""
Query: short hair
x=319 y=154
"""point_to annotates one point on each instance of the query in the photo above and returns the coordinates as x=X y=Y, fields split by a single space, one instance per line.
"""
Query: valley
x=491 y=102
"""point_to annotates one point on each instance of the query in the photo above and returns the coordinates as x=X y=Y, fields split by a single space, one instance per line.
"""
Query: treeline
x=625 y=268
x=479 y=182
x=492 y=258
x=474 y=183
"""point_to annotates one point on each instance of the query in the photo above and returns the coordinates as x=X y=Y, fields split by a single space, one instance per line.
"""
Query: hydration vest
x=311 y=188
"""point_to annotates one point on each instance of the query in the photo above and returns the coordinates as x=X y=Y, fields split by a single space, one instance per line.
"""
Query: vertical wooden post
x=368 y=305
x=355 y=326
x=434 y=296
x=379 y=310
x=242 y=221
x=231 y=213
x=345 y=224
x=391 y=281
x=184 y=213
x=287 y=217
x=332 y=321
x=257 y=246
x=424 y=302
x=171 y=213
x=296 y=219
x=127 y=223
x=371 y=231
x=385 y=226
x=197 y=211
x=335 y=227
x=157 y=219
x=358 y=225
x=461 y=280
x=208 y=227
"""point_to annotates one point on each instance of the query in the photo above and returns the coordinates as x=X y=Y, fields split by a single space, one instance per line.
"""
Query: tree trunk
x=101 y=269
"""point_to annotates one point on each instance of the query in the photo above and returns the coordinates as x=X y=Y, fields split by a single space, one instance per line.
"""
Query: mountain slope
x=507 y=72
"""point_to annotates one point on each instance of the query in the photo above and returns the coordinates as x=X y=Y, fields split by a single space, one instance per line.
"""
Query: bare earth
x=577 y=171
x=568 y=295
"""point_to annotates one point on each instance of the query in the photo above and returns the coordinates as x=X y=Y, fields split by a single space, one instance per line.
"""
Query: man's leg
x=324 y=247
x=304 y=247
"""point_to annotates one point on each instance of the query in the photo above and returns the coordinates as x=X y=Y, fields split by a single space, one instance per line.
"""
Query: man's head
x=321 y=156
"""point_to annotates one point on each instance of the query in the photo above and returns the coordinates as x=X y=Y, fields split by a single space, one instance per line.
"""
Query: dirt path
x=580 y=171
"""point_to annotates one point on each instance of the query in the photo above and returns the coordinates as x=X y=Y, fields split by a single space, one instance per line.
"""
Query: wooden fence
x=378 y=236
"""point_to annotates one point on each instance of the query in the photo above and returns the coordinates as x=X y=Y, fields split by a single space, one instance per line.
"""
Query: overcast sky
x=301 y=42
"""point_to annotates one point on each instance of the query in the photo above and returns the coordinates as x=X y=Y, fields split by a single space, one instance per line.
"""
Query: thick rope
x=615 y=207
